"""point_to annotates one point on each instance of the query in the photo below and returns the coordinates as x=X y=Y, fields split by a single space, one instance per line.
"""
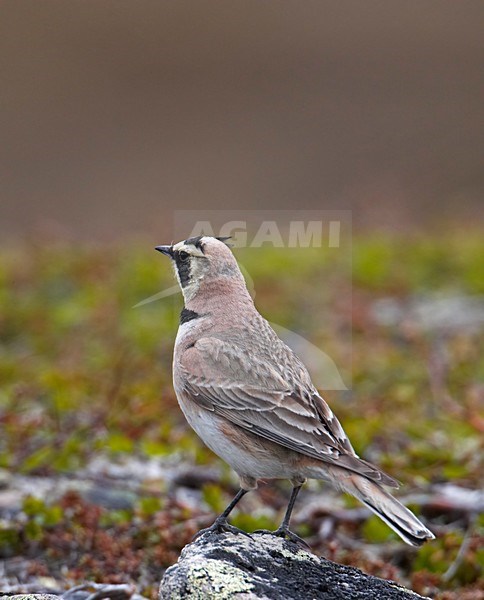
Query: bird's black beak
x=166 y=250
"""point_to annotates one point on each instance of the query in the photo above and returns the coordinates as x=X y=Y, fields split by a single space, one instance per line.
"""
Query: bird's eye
x=183 y=255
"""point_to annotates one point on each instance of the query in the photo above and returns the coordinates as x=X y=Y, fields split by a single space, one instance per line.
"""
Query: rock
x=86 y=591
x=221 y=566
x=432 y=313
x=5 y=479
x=30 y=597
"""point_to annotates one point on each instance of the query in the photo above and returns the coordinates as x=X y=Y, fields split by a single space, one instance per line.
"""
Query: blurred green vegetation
x=83 y=371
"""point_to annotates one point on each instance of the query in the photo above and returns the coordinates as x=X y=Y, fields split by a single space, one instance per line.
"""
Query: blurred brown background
x=115 y=113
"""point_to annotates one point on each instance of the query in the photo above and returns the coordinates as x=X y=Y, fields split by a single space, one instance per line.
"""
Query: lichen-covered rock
x=221 y=566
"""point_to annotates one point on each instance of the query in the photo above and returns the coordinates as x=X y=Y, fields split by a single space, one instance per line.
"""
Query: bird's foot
x=285 y=534
x=220 y=525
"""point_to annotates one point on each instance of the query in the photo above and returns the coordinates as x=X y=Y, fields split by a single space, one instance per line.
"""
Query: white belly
x=207 y=426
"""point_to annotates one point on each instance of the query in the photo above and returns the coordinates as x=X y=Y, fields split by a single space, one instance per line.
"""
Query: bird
x=251 y=400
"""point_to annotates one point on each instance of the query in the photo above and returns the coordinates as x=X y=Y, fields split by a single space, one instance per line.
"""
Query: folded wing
x=227 y=379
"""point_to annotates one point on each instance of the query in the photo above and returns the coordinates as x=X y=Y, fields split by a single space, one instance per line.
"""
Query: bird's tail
x=388 y=508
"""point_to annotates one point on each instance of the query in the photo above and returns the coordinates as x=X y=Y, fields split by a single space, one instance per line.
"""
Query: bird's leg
x=220 y=523
x=290 y=507
x=283 y=530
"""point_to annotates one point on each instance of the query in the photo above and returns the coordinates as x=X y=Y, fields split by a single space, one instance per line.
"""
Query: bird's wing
x=224 y=378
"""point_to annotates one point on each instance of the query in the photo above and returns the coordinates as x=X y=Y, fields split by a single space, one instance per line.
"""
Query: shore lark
x=251 y=400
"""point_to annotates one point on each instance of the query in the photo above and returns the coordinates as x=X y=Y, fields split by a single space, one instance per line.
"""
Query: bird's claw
x=285 y=534
x=220 y=526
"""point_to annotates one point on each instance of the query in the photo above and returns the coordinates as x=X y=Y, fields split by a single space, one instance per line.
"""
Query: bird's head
x=202 y=262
